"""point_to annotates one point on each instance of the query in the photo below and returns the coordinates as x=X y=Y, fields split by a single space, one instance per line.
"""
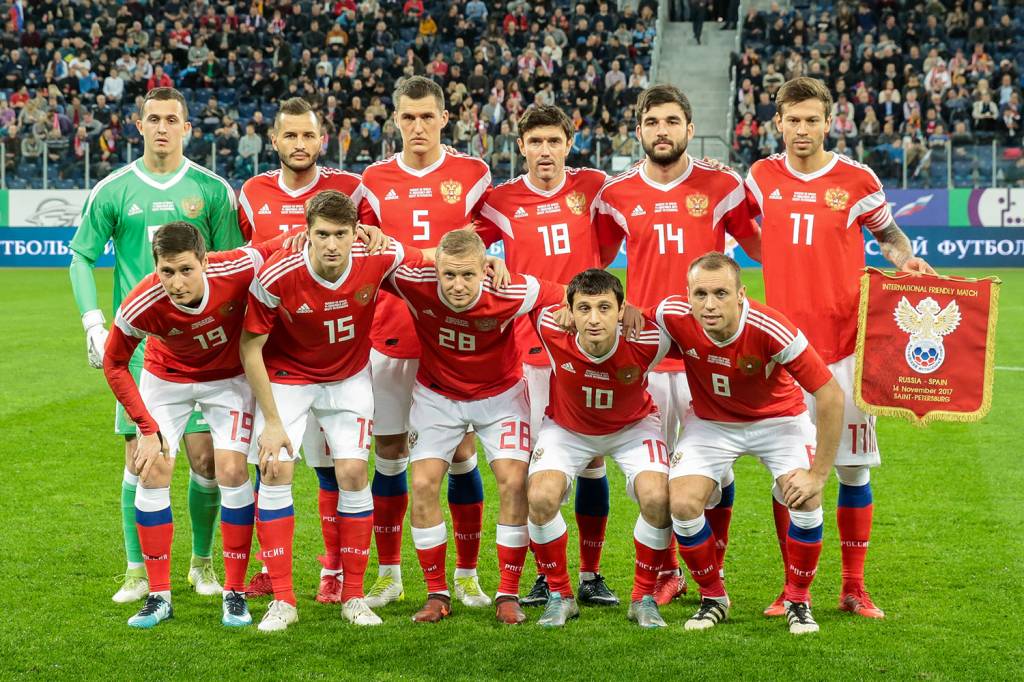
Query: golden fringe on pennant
x=935 y=415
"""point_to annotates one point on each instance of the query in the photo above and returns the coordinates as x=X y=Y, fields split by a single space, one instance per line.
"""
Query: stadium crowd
x=72 y=76
x=908 y=79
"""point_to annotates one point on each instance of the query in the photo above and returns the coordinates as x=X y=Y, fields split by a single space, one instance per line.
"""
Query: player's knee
x=232 y=472
x=424 y=487
x=391 y=447
x=853 y=475
x=654 y=506
x=544 y=495
x=351 y=473
x=686 y=504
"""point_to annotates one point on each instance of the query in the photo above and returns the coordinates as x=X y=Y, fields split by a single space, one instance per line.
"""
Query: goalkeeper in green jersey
x=128 y=206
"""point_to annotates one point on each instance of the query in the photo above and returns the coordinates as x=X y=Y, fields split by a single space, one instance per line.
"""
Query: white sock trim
x=394 y=571
x=130 y=478
x=807 y=519
x=426 y=538
x=355 y=501
x=548 y=532
x=152 y=499
x=459 y=468
x=595 y=473
x=655 y=538
x=202 y=481
x=273 y=497
x=465 y=573
x=390 y=467
x=690 y=527
x=513 y=536
x=237 y=497
x=854 y=476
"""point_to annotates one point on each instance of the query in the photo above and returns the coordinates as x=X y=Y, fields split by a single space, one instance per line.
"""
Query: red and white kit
x=469 y=372
x=812 y=241
x=416 y=207
x=548 y=234
x=667 y=227
x=745 y=399
x=266 y=207
x=600 y=405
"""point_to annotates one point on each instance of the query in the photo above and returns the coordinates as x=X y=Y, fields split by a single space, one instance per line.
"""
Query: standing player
x=305 y=350
x=417 y=196
x=599 y=406
x=814 y=204
x=741 y=361
x=672 y=209
x=272 y=203
x=469 y=376
x=128 y=206
x=193 y=306
x=544 y=219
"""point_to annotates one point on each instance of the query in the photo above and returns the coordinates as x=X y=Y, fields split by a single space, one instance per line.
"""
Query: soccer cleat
x=801 y=622
x=467 y=591
x=153 y=612
x=711 y=613
x=235 y=612
x=357 y=612
x=329 y=591
x=508 y=610
x=384 y=591
x=134 y=586
x=203 y=578
x=539 y=593
x=595 y=592
x=279 y=615
x=669 y=586
x=558 y=610
x=645 y=613
x=437 y=608
x=859 y=602
x=259 y=586
x=777 y=607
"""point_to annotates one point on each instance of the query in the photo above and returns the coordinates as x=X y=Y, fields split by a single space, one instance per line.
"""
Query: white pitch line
x=1010 y=369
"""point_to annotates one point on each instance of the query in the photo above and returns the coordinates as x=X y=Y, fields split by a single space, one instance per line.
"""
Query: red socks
x=513 y=542
x=275 y=528
x=156 y=532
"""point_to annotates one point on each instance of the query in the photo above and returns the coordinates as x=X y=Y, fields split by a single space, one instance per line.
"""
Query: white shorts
x=226 y=405
x=343 y=408
x=671 y=393
x=438 y=424
x=393 y=379
x=636 y=448
x=538 y=386
x=858 y=442
x=709 y=448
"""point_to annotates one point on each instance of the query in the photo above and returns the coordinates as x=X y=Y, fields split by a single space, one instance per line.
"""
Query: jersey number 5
x=419 y=219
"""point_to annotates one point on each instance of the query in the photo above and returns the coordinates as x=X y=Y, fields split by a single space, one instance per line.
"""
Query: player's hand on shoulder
x=801 y=486
x=632 y=321
x=563 y=318
x=374 y=238
x=498 y=271
x=95 y=337
x=295 y=242
x=918 y=266
x=148 y=450
x=272 y=441
x=716 y=164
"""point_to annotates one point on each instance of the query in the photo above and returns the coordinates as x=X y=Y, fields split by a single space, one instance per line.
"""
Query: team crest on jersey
x=485 y=324
x=537 y=454
x=192 y=206
x=577 y=202
x=697 y=204
x=749 y=364
x=364 y=294
x=451 y=191
x=228 y=308
x=837 y=198
x=628 y=375
x=926 y=324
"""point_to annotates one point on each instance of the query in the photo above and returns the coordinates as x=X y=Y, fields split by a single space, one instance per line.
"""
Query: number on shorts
x=214 y=337
x=340 y=329
x=598 y=398
x=720 y=385
x=657 y=451
x=453 y=340
x=509 y=436
x=241 y=426
x=365 y=431
x=810 y=454
x=867 y=438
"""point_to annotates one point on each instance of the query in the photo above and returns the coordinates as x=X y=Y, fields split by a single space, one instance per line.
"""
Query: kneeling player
x=741 y=361
x=193 y=306
x=599 y=405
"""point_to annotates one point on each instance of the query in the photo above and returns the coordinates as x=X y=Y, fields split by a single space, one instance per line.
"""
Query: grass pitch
x=945 y=561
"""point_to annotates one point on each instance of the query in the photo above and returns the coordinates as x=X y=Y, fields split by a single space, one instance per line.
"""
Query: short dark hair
x=418 y=87
x=716 y=260
x=164 y=95
x=333 y=206
x=545 y=115
x=294 y=106
x=802 y=89
x=178 y=237
x=593 y=282
x=663 y=94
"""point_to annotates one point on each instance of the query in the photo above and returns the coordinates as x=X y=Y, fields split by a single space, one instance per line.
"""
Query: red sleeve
x=487 y=230
x=737 y=220
x=116 y=355
x=809 y=370
x=243 y=224
x=260 y=314
x=366 y=214
x=609 y=238
x=551 y=293
x=475 y=211
x=266 y=249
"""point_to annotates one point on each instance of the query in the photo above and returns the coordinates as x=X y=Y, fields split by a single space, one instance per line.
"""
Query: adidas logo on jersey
x=639 y=210
x=174 y=331
x=568 y=367
x=692 y=352
x=775 y=194
x=429 y=312
x=391 y=195
x=520 y=213
x=265 y=210
x=134 y=210
x=304 y=308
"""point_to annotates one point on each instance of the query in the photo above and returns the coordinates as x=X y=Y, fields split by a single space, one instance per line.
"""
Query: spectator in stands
x=503 y=150
x=250 y=146
x=11 y=145
x=985 y=114
x=159 y=79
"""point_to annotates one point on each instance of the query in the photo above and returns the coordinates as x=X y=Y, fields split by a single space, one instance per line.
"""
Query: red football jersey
x=417 y=207
x=669 y=226
x=596 y=396
x=470 y=354
x=319 y=330
x=739 y=380
x=547 y=234
x=266 y=208
x=812 y=242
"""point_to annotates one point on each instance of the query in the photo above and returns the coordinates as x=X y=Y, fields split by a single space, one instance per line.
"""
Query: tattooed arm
x=896 y=248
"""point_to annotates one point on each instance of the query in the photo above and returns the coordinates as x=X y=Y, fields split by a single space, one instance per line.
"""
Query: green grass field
x=945 y=563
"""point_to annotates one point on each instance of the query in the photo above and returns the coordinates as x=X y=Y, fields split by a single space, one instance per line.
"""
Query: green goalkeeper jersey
x=131 y=203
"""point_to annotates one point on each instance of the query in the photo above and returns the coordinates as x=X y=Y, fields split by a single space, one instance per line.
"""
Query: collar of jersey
x=668 y=185
x=469 y=307
x=739 y=328
x=293 y=193
x=599 y=360
x=320 y=280
x=423 y=171
x=545 y=192
x=150 y=179
x=807 y=177
x=199 y=309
